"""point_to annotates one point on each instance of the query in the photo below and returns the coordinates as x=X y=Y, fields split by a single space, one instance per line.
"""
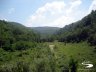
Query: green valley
x=49 y=49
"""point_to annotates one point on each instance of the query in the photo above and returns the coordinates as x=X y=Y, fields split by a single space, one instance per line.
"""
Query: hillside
x=45 y=31
x=12 y=33
x=84 y=29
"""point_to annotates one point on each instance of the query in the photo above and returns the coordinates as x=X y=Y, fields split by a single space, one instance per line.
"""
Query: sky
x=54 y=13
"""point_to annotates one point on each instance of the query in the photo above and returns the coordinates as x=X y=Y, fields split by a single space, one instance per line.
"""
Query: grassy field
x=81 y=52
x=43 y=59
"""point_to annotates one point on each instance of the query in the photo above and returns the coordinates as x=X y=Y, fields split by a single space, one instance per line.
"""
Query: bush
x=19 y=67
x=23 y=45
x=92 y=40
x=7 y=46
x=73 y=65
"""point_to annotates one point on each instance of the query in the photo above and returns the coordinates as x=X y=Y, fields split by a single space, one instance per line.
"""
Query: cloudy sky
x=33 y=13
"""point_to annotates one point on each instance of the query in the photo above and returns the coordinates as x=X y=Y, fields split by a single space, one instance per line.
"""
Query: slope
x=45 y=31
x=12 y=32
x=82 y=30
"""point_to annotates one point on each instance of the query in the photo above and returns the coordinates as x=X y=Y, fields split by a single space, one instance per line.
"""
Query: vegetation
x=63 y=58
x=46 y=33
x=24 y=50
x=83 y=30
x=14 y=34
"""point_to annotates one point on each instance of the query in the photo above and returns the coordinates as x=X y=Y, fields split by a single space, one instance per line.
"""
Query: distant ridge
x=46 y=30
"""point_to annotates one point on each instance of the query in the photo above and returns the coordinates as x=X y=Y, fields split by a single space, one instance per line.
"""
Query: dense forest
x=82 y=30
x=13 y=36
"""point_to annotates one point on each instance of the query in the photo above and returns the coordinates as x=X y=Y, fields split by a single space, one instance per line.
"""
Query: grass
x=79 y=51
x=61 y=56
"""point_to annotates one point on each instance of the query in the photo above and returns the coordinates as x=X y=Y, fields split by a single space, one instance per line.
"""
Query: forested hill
x=81 y=30
x=45 y=31
x=12 y=34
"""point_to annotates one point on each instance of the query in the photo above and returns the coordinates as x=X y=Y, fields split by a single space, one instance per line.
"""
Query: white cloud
x=11 y=10
x=51 y=7
x=3 y=18
x=62 y=21
x=92 y=6
x=56 y=13
x=74 y=4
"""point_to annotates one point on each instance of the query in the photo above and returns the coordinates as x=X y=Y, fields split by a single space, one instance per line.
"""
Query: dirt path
x=52 y=50
x=52 y=47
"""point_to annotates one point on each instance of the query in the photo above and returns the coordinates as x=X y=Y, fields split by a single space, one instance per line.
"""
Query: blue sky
x=33 y=13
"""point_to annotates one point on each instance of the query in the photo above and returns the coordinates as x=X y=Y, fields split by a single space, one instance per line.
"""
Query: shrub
x=73 y=65
x=23 y=45
x=19 y=67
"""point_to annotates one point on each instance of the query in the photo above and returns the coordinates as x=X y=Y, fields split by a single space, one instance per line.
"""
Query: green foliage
x=11 y=33
x=23 y=45
x=42 y=59
x=83 y=30
x=45 y=32
x=92 y=39
x=19 y=67
x=27 y=56
x=73 y=65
